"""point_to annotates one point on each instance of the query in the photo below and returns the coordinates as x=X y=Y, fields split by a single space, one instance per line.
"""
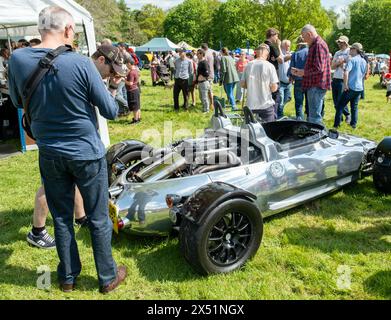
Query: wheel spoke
x=214 y=249
x=216 y=239
x=242 y=228
x=240 y=221
x=245 y=235
x=232 y=219
x=218 y=229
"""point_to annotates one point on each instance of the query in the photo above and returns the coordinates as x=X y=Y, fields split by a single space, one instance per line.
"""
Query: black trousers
x=181 y=85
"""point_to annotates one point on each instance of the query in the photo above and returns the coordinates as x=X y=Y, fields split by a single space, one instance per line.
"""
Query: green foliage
x=290 y=16
x=128 y=26
x=300 y=252
x=370 y=24
x=191 y=21
x=233 y=27
x=106 y=16
x=150 y=20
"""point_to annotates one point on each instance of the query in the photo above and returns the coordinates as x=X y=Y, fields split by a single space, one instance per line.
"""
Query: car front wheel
x=229 y=236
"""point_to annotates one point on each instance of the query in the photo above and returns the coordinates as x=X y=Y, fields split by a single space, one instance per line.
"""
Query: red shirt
x=317 y=70
x=133 y=77
x=241 y=65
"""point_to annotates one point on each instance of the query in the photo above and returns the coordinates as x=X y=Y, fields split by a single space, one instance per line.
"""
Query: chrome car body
x=281 y=164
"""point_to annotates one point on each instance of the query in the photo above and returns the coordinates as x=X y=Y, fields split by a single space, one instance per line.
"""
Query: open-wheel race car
x=216 y=190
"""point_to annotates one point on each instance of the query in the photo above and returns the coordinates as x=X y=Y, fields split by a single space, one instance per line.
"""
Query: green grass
x=298 y=259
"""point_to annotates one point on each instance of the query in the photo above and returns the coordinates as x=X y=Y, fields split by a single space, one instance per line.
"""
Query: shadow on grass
x=379 y=284
x=11 y=223
x=355 y=197
x=378 y=86
x=364 y=241
x=157 y=258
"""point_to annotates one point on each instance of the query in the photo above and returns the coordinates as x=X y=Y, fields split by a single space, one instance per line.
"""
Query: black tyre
x=382 y=178
x=127 y=160
x=230 y=235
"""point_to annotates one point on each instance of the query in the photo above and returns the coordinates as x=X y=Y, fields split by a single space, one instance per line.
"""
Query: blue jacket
x=63 y=117
x=298 y=61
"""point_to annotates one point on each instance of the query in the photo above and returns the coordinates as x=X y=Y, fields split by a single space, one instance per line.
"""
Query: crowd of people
x=304 y=75
x=72 y=156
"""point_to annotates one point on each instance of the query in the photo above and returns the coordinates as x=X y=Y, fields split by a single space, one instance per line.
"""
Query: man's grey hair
x=308 y=28
x=54 y=19
x=106 y=42
x=286 y=42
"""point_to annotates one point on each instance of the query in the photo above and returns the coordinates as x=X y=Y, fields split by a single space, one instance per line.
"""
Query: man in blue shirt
x=63 y=120
x=298 y=61
x=354 y=74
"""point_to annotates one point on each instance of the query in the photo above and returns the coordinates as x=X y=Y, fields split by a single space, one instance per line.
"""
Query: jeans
x=59 y=176
x=348 y=96
x=285 y=97
x=337 y=88
x=266 y=115
x=181 y=85
x=300 y=96
x=239 y=89
x=216 y=78
x=229 y=89
x=277 y=98
x=121 y=98
x=315 y=104
x=203 y=88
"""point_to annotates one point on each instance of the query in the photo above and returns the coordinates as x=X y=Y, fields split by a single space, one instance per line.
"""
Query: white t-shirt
x=341 y=54
x=259 y=75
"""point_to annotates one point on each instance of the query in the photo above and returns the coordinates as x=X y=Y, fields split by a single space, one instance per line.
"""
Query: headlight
x=172 y=200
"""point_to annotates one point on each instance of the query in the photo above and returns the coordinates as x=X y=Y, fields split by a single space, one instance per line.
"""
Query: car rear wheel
x=382 y=178
x=230 y=235
x=126 y=160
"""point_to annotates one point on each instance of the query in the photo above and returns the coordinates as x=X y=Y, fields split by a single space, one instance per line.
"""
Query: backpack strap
x=36 y=76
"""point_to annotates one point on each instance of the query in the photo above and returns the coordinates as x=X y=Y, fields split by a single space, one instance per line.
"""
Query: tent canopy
x=19 y=18
x=185 y=45
x=157 y=44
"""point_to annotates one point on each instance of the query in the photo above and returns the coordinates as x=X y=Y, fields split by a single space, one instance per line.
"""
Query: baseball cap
x=357 y=46
x=115 y=57
x=343 y=39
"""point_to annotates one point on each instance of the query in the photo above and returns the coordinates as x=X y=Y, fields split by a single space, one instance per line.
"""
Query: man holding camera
x=63 y=121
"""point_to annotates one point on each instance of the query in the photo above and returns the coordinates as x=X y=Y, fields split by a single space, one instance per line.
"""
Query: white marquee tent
x=19 y=18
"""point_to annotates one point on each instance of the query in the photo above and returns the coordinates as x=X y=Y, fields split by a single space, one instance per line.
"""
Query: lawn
x=338 y=247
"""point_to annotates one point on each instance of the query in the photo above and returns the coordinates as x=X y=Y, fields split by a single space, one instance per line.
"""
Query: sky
x=166 y=4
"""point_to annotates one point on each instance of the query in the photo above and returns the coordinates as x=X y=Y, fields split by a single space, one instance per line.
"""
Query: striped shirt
x=317 y=71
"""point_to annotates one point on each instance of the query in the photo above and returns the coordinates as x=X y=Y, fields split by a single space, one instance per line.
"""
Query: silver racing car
x=216 y=190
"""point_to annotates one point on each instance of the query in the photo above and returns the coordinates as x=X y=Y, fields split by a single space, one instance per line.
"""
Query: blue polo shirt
x=357 y=68
x=298 y=60
x=63 y=117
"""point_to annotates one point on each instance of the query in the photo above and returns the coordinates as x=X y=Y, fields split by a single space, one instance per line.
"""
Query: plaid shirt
x=317 y=70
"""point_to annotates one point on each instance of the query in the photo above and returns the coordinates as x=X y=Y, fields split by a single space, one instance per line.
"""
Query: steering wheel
x=248 y=115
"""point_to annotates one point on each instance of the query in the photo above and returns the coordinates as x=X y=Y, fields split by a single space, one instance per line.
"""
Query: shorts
x=134 y=100
x=388 y=94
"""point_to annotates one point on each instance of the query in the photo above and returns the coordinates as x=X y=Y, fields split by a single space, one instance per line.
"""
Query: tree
x=289 y=16
x=370 y=24
x=150 y=20
x=237 y=21
x=128 y=27
x=191 y=21
x=106 y=25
